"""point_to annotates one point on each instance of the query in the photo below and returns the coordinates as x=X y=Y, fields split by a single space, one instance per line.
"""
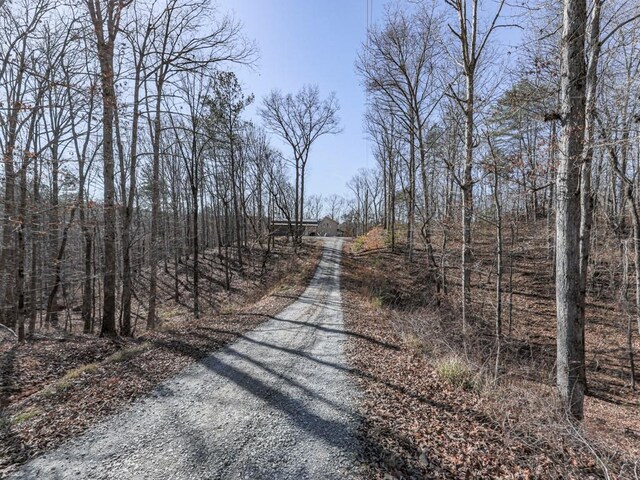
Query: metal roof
x=304 y=222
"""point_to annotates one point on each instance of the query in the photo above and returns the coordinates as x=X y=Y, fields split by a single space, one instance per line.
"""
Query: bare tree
x=190 y=38
x=473 y=45
x=105 y=17
x=315 y=206
x=226 y=106
x=300 y=120
x=399 y=64
x=335 y=206
x=568 y=295
x=18 y=25
x=140 y=35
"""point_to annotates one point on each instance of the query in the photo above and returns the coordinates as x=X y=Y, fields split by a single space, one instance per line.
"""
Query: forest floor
x=432 y=411
x=60 y=383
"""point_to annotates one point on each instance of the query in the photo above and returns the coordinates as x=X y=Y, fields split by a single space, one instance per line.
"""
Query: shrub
x=455 y=371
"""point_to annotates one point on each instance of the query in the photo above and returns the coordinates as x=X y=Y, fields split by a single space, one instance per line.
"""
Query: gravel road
x=276 y=404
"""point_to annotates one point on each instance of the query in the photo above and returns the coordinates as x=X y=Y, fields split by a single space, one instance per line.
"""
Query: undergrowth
x=521 y=401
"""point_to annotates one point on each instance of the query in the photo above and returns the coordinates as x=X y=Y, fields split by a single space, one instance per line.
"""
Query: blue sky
x=316 y=42
x=311 y=42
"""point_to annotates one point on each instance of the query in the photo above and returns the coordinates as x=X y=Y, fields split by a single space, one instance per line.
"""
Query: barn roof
x=307 y=223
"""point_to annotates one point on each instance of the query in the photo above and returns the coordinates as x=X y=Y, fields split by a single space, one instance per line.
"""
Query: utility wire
x=369 y=21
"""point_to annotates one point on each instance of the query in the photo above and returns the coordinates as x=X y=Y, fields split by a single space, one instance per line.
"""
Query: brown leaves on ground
x=375 y=239
x=56 y=387
x=421 y=423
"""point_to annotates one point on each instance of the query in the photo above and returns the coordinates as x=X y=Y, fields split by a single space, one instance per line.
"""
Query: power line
x=369 y=21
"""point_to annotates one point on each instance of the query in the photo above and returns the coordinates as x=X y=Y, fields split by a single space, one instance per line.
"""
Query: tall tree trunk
x=636 y=252
x=411 y=201
x=499 y=267
x=128 y=196
x=467 y=200
x=51 y=307
x=105 y=40
x=87 y=286
x=235 y=194
x=570 y=345
x=301 y=199
x=7 y=251
x=196 y=266
x=154 y=246
x=21 y=256
x=586 y=197
x=109 y=233
x=35 y=249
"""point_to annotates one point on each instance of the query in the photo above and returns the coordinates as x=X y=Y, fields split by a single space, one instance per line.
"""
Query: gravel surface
x=277 y=404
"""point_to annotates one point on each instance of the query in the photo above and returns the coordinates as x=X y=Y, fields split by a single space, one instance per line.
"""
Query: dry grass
x=455 y=371
x=376 y=239
x=128 y=353
x=21 y=417
x=66 y=381
x=416 y=343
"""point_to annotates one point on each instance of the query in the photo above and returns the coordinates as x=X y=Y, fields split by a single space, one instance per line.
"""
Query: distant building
x=326 y=227
x=283 y=228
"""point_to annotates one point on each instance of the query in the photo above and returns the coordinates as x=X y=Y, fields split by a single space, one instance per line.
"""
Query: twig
x=585 y=442
x=9 y=330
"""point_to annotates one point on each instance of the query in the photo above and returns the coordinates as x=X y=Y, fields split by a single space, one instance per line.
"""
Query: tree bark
x=570 y=345
x=155 y=212
x=467 y=202
x=105 y=41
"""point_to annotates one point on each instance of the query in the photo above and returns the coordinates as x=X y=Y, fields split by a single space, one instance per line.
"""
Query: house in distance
x=328 y=227
x=325 y=227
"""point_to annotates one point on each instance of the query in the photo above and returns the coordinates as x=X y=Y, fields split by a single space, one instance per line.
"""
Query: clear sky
x=316 y=42
x=311 y=42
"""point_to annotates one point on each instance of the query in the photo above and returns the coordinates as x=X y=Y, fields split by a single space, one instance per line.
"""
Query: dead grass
x=376 y=239
x=455 y=371
x=128 y=353
x=21 y=417
x=416 y=343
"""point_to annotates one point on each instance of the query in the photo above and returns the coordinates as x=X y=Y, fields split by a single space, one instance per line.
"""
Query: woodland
x=495 y=241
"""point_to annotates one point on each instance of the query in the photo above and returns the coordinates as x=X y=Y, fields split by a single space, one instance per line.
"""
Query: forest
x=494 y=239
